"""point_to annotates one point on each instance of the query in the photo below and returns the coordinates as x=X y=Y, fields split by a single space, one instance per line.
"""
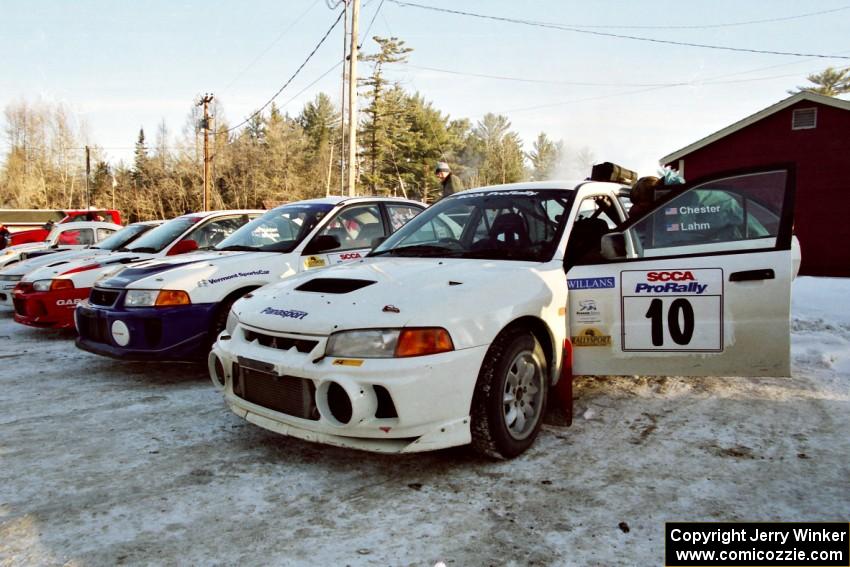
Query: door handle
x=752 y=275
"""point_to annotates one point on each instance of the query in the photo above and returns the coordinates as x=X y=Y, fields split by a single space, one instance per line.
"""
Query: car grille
x=104 y=297
x=285 y=394
x=20 y=306
x=281 y=343
x=93 y=328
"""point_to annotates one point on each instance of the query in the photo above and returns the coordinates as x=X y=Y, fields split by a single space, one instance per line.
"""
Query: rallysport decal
x=591 y=337
x=672 y=310
x=314 y=262
x=211 y=281
x=285 y=313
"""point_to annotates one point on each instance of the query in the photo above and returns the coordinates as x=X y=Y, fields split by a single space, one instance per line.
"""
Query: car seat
x=585 y=240
x=509 y=231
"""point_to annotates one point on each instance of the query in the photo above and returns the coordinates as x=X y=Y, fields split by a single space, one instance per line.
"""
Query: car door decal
x=673 y=310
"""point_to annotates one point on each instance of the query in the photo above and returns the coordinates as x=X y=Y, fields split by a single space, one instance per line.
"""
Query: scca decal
x=670 y=277
x=350 y=256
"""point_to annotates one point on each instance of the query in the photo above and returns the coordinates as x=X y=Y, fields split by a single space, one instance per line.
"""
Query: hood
x=174 y=269
x=51 y=260
x=110 y=261
x=397 y=292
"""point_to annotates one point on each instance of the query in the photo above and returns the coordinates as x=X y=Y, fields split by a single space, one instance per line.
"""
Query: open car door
x=700 y=286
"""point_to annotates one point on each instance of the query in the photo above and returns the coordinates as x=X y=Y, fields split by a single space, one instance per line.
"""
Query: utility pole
x=88 y=174
x=342 y=104
x=205 y=101
x=352 y=100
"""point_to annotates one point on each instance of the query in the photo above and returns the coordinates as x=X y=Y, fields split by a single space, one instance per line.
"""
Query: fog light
x=216 y=369
x=120 y=333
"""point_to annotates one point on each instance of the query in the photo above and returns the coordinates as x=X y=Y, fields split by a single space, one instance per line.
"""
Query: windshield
x=123 y=236
x=157 y=239
x=505 y=225
x=279 y=230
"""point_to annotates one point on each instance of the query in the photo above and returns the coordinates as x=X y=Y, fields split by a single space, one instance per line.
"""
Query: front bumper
x=398 y=405
x=47 y=309
x=154 y=333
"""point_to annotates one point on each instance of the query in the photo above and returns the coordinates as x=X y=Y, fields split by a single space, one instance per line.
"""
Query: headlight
x=366 y=343
x=141 y=298
x=232 y=321
x=156 y=298
x=4 y=278
x=41 y=285
x=388 y=343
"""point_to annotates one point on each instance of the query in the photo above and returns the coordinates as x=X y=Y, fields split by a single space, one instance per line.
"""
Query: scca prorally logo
x=671 y=282
x=350 y=256
x=285 y=313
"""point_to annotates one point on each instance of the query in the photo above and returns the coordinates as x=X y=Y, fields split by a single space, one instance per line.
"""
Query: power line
x=614 y=35
x=272 y=44
x=711 y=81
x=369 y=27
x=295 y=74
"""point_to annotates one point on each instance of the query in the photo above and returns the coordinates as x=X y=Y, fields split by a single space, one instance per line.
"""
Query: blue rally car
x=173 y=308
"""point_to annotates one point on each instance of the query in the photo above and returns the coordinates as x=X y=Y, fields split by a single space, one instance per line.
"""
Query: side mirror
x=182 y=247
x=322 y=243
x=613 y=246
x=378 y=241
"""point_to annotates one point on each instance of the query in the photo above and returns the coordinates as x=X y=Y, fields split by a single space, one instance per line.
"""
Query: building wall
x=822 y=156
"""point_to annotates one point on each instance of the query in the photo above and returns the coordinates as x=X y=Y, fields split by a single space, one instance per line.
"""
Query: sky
x=121 y=66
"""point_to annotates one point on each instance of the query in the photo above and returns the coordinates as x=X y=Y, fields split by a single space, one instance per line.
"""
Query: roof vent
x=804 y=119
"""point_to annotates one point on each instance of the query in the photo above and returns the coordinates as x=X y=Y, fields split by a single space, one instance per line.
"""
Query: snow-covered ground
x=112 y=463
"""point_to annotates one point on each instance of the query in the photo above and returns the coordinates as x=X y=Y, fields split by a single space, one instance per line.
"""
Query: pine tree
x=141 y=168
x=545 y=157
x=829 y=82
x=381 y=111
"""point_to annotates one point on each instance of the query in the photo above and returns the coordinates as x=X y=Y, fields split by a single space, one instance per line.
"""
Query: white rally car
x=455 y=329
x=13 y=273
x=125 y=317
x=63 y=236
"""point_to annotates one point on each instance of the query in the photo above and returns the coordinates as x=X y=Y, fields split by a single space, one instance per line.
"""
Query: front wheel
x=510 y=396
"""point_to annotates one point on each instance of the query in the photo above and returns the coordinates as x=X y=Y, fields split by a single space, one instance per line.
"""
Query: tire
x=220 y=319
x=510 y=396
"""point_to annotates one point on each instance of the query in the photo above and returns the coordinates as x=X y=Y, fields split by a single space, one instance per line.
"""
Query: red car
x=42 y=220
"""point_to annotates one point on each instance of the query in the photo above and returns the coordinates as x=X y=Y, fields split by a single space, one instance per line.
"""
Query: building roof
x=753 y=118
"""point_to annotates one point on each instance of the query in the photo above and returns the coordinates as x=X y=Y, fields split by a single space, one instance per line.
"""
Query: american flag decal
x=672 y=227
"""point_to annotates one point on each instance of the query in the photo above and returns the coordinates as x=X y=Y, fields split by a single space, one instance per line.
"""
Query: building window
x=804 y=119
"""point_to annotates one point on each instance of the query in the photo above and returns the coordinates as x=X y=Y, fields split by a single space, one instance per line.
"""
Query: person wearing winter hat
x=450 y=183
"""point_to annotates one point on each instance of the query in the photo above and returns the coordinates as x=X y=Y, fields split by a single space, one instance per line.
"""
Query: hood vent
x=333 y=285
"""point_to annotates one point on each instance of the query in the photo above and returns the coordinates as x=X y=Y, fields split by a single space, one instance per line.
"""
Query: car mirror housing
x=613 y=246
x=182 y=247
x=322 y=243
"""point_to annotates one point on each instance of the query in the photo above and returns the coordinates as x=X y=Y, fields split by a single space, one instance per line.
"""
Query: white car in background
x=47 y=296
x=64 y=236
x=441 y=338
x=12 y=274
x=305 y=235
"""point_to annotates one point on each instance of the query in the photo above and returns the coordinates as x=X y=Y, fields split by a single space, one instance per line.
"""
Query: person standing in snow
x=450 y=183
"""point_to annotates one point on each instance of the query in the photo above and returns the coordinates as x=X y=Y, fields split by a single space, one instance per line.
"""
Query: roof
x=528 y=186
x=753 y=118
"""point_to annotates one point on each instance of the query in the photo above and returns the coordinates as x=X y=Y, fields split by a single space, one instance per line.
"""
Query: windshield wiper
x=142 y=249
x=501 y=254
x=238 y=248
x=418 y=250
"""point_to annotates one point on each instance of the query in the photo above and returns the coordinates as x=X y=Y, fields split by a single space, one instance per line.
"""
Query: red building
x=812 y=131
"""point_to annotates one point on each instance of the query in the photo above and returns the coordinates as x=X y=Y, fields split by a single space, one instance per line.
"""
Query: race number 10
x=672 y=310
